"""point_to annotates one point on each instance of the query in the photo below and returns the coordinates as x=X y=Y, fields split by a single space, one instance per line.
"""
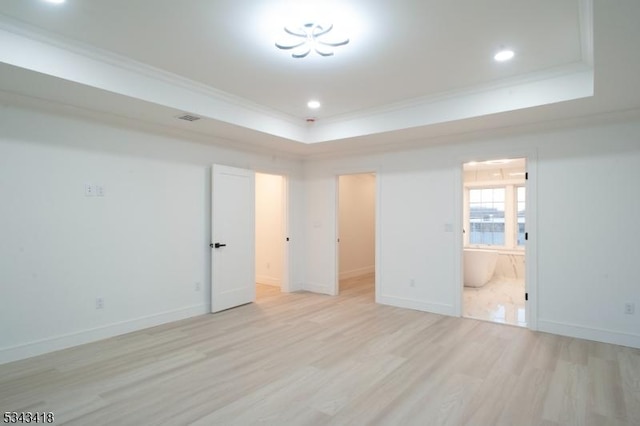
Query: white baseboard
x=357 y=272
x=295 y=287
x=320 y=288
x=588 y=333
x=267 y=280
x=57 y=343
x=418 y=305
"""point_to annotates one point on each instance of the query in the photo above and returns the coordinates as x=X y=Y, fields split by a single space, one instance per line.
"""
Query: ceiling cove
x=34 y=48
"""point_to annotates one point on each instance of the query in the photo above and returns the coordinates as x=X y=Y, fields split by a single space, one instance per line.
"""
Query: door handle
x=217 y=245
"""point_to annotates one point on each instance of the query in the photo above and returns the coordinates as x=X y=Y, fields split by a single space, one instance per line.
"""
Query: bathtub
x=479 y=266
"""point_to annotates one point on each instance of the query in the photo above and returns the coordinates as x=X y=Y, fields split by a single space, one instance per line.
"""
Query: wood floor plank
x=308 y=359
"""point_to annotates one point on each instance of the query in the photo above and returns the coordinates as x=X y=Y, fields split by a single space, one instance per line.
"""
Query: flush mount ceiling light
x=303 y=39
x=55 y=1
x=504 y=55
x=313 y=104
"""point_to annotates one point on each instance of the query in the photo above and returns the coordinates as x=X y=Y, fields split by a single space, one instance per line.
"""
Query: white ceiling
x=413 y=68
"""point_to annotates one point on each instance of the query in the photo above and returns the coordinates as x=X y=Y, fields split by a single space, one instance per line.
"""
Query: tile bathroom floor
x=500 y=300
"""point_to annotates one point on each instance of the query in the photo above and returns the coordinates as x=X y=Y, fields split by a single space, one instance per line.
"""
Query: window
x=486 y=216
x=495 y=216
x=520 y=213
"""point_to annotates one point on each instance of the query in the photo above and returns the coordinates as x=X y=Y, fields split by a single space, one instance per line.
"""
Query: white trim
x=320 y=288
x=65 y=341
x=123 y=62
x=586 y=30
x=418 y=305
x=590 y=333
x=460 y=200
x=576 y=84
x=122 y=76
x=336 y=237
x=556 y=73
x=531 y=245
x=378 y=236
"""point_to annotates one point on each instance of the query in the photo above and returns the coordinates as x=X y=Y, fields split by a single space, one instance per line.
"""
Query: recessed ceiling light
x=313 y=104
x=504 y=55
x=55 y=1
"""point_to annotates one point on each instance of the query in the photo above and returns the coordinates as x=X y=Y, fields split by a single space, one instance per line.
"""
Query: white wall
x=357 y=217
x=586 y=239
x=269 y=229
x=144 y=247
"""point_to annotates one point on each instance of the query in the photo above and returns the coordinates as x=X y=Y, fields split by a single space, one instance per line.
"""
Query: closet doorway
x=356 y=231
x=271 y=235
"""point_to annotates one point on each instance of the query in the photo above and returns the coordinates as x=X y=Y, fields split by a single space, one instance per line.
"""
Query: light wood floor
x=297 y=359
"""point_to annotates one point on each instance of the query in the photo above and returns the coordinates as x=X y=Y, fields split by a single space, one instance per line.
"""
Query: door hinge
x=526 y=176
x=526 y=296
x=526 y=236
x=287 y=238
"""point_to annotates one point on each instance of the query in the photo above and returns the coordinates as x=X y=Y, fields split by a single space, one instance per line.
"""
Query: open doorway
x=356 y=223
x=270 y=250
x=494 y=249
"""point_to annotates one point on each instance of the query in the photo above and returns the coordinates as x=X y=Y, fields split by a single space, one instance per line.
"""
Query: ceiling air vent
x=188 y=117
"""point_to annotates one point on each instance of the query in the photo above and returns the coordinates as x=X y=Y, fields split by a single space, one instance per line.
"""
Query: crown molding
x=24 y=45
x=17 y=37
x=508 y=83
x=123 y=62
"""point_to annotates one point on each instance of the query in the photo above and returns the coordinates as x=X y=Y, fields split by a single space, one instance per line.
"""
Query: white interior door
x=232 y=237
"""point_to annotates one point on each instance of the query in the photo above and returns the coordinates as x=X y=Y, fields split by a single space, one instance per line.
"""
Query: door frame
x=378 y=233
x=531 y=258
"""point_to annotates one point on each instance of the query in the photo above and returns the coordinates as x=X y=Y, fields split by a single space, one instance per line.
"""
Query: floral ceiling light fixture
x=312 y=36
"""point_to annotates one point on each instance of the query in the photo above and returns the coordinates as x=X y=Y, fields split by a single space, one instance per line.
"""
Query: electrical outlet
x=412 y=282
x=89 y=190
x=99 y=191
x=629 y=308
x=197 y=286
x=99 y=303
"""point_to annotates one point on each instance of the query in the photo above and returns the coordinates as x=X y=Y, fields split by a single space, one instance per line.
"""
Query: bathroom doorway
x=356 y=229
x=494 y=241
x=271 y=229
